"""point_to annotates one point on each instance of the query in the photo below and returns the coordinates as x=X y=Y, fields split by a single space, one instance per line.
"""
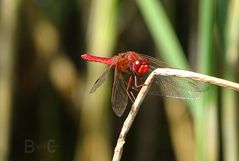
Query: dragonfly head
x=141 y=67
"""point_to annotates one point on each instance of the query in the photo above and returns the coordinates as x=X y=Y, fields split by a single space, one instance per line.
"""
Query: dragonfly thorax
x=133 y=63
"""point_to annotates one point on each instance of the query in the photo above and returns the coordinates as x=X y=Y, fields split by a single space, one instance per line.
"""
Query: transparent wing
x=155 y=62
x=119 y=97
x=100 y=80
x=172 y=86
x=103 y=77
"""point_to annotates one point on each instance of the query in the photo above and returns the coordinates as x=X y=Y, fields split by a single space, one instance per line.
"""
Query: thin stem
x=197 y=76
x=144 y=90
x=131 y=116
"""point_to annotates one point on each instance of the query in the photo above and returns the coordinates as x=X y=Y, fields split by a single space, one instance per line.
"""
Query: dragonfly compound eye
x=136 y=65
x=140 y=67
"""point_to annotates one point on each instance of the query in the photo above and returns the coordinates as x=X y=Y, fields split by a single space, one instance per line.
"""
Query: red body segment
x=124 y=62
x=103 y=60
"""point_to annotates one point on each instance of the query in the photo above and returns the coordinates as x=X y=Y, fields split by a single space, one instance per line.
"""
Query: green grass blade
x=94 y=119
x=8 y=25
x=206 y=111
x=229 y=106
x=162 y=32
x=165 y=39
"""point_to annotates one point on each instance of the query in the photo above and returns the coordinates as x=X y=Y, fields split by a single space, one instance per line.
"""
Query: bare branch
x=197 y=76
x=144 y=90
x=131 y=116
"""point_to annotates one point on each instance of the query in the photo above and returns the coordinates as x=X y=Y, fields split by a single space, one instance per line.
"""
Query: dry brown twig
x=142 y=93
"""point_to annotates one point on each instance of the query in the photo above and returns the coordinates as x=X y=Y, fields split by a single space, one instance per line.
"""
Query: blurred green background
x=46 y=112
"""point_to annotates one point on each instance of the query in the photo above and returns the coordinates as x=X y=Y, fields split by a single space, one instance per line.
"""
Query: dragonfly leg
x=136 y=83
x=131 y=96
x=128 y=90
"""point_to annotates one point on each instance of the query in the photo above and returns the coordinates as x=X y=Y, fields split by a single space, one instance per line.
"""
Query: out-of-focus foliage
x=46 y=112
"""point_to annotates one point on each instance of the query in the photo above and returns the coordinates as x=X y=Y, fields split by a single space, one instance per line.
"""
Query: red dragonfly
x=131 y=70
